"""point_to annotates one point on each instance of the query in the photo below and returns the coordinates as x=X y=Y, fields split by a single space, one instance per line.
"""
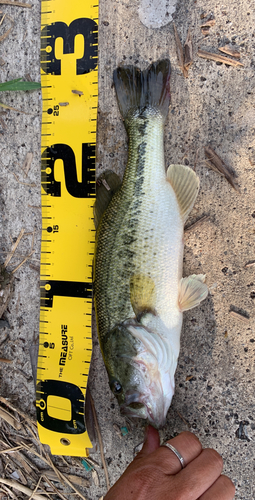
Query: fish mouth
x=135 y=410
x=141 y=410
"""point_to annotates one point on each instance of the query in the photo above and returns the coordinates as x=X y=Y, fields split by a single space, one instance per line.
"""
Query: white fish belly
x=160 y=245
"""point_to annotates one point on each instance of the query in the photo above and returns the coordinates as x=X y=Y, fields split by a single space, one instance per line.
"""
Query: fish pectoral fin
x=142 y=294
x=185 y=184
x=192 y=291
x=107 y=185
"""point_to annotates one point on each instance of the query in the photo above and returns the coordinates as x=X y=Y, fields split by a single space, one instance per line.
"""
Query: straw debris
x=25 y=465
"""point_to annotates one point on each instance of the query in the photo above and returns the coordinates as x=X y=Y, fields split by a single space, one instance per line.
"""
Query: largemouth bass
x=139 y=291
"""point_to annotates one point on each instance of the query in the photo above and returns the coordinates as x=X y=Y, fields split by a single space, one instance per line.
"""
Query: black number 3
x=83 y=26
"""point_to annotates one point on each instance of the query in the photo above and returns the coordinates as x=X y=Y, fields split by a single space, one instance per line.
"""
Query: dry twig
x=218 y=58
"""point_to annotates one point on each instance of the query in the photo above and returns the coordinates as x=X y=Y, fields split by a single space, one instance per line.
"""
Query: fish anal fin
x=107 y=185
x=185 y=184
x=192 y=291
x=142 y=294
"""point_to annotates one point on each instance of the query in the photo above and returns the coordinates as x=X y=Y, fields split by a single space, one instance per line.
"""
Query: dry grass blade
x=239 y=316
x=2 y=20
x=221 y=167
x=100 y=442
x=14 y=248
x=2 y=105
x=250 y=264
x=231 y=51
x=205 y=31
x=27 y=163
x=208 y=24
x=24 y=183
x=218 y=58
x=183 y=419
x=16 y=4
x=212 y=166
x=22 y=488
x=188 y=52
x=10 y=419
x=25 y=417
x=64 y=478
x=4 y=36
x=10 y=493
x=36 y=488
x=95 y=478
x=54 y=488
x=196 y=224
x=23 y=262
x=9 y=450
x=196 y=157
x=78 y=480
x=179 y=51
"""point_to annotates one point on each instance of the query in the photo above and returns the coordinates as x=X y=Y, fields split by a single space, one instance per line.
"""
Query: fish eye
x=116 y=387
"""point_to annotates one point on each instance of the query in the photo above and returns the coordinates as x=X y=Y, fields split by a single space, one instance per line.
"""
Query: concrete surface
x=214 y=395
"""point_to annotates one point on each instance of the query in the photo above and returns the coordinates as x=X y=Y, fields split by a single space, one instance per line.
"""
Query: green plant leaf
x=17 y=84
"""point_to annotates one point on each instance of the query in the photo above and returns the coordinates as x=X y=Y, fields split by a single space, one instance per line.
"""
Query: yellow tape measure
x=69 y=46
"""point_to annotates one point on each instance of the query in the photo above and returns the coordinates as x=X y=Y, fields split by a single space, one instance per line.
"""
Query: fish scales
x=139 y=291
x=133 y=232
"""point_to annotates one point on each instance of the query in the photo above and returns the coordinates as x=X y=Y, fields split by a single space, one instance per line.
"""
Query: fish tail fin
x=139 y=90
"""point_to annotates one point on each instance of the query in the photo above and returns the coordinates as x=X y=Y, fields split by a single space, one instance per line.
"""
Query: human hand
x=156 y=472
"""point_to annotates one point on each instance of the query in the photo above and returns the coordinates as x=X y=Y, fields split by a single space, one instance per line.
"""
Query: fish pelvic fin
x=185 y=184
x=138 y=90
x=107 y=185
x=192 y=291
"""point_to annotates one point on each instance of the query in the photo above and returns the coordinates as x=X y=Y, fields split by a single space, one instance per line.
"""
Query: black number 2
x=83 y=189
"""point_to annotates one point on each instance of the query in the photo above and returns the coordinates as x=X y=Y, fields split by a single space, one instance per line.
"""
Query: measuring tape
x=69 y=46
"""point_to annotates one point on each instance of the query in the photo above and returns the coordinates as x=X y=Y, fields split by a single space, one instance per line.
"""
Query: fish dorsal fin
x=192 y=291
x=107 y=185
x=142 y=294
x=185 y=184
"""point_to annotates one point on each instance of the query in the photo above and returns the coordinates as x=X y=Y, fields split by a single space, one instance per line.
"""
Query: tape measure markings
x=68 y=182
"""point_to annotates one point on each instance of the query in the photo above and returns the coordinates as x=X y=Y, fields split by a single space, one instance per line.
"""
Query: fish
x=139 y=292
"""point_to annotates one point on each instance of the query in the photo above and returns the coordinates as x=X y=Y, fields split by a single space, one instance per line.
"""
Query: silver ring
x=176 y=452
